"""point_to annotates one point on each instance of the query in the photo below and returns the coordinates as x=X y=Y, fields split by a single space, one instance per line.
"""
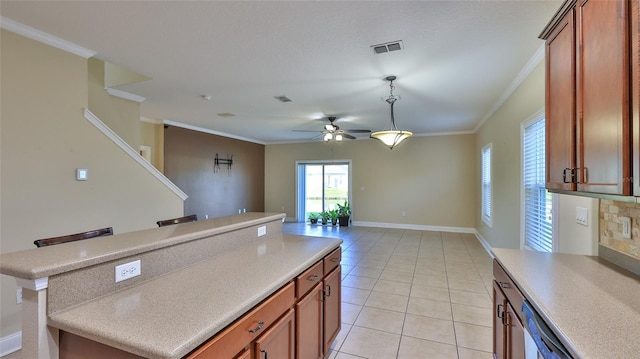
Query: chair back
x=74 y=237
x=185 y=219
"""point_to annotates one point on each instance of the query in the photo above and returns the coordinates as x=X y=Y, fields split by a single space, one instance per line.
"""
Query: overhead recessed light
x=282 y=98
x=206 y=97
x=226 y=114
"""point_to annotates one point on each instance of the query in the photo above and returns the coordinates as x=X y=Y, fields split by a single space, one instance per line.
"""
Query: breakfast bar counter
x=196 y=278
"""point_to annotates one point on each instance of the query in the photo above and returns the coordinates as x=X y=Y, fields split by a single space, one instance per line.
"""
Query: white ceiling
x=459 y=58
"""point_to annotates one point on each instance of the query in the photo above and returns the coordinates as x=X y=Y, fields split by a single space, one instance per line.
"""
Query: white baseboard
x=484 y=243
x=418 y=227
x=11 y=343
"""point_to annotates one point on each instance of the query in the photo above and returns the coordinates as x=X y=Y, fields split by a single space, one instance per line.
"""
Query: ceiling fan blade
x=346 y=135
x=306 y=131
x=357 y=131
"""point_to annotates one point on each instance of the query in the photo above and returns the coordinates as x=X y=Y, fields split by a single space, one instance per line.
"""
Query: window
x=537 y=203
x=321 y=186
x=486 y=185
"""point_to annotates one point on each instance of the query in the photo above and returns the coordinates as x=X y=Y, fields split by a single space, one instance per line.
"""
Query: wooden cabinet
x=309 y=328
x=318 y=313
x=508 y=332
x=279 y=341
x=587 y=98
x=332 y=299
x=237 y=337
x=635 y=91
x=561 y=105
x=499 y=330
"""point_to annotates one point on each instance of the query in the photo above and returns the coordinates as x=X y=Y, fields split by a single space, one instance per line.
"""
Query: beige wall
x=121 y=115
x=431 y=179
x=152 y=135
x=44 y=139
x=503 y=130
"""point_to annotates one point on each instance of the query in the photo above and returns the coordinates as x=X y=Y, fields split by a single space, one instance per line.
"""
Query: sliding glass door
x=321 y=186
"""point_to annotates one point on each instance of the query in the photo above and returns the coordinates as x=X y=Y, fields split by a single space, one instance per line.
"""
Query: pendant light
x=391 y=137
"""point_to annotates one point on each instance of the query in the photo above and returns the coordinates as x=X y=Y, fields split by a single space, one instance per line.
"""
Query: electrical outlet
x=128 y=271
x=626 y=227
x=19 y=296
x=262 y=230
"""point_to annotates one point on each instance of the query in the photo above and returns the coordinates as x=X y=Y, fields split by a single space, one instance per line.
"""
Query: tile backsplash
x=611 y=213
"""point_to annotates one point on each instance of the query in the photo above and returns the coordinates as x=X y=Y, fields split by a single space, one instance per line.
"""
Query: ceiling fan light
x=391 y=138
x=327 y=137
x=338 y=137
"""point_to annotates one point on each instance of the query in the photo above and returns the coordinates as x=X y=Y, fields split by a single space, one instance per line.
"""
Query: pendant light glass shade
x=391 y=137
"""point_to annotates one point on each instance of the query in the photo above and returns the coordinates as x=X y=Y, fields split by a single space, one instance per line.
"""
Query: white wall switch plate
x=82 y=174
x=19 y=296
x=582 y=216
x=262 y=230
x=626 y=227
x=128 y=271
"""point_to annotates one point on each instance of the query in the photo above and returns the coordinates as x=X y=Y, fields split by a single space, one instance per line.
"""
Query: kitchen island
x=196 y=279
x=590 y=304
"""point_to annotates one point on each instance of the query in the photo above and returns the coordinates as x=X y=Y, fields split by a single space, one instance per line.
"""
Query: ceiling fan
x=332 y=132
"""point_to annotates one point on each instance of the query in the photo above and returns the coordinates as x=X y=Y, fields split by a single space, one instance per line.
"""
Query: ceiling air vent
x=282 y=98
x=226 y=114
x=387 y=47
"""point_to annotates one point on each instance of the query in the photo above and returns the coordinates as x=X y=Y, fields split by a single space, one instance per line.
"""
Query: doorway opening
x=321 y=186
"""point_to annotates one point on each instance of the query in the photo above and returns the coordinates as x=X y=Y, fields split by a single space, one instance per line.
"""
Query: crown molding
x=125 y=95
x=537 y=57
x=211 y=132
x=41 y=36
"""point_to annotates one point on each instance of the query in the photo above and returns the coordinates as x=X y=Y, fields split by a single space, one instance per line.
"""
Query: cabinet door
x=515 y=335
x=561 y=105
x=332 y=301
x=278 y=342
x=246 y=354
x=635 y=92
x=309 y=325
x=603 y=127
x=499 y=329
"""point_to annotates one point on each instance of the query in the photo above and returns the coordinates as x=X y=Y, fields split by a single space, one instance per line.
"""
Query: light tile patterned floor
x=410 y=294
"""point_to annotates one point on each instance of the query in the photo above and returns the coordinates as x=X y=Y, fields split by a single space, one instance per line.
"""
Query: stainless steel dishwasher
x=539 y=341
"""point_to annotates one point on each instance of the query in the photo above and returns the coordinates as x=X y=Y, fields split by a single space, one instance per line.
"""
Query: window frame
x=538 y=116
x=486 y=200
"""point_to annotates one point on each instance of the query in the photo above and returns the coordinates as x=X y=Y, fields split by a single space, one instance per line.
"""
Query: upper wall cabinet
x=587 y=97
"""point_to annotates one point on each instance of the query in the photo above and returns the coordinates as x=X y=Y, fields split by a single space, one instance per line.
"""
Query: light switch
x=582 y=216
x=82 y=174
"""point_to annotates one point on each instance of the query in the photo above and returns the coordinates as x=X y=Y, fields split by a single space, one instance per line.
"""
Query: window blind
x=537 y=200
x=486 y=185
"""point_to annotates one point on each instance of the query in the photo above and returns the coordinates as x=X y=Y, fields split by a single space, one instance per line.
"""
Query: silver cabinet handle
x=504 y=284
x=265 y=354
x=313 y=278
x=335 y=259
x=260 y=325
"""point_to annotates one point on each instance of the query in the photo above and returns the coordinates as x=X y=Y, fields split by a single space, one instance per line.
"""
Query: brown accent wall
x=189 y=163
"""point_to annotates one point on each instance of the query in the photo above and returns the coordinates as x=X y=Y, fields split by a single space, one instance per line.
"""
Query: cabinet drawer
x=308 y=279
x=236 y=337
x=332 y=260
x=508 y=287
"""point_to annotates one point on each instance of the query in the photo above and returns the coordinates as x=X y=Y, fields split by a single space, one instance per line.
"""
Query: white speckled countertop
x=47 y=261
x=592 y=305
x=171 y=315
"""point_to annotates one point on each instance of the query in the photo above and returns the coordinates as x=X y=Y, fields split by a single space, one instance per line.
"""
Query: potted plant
x=344 y=212
x=324 y=215
x=334 y=216
x=313 y=217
